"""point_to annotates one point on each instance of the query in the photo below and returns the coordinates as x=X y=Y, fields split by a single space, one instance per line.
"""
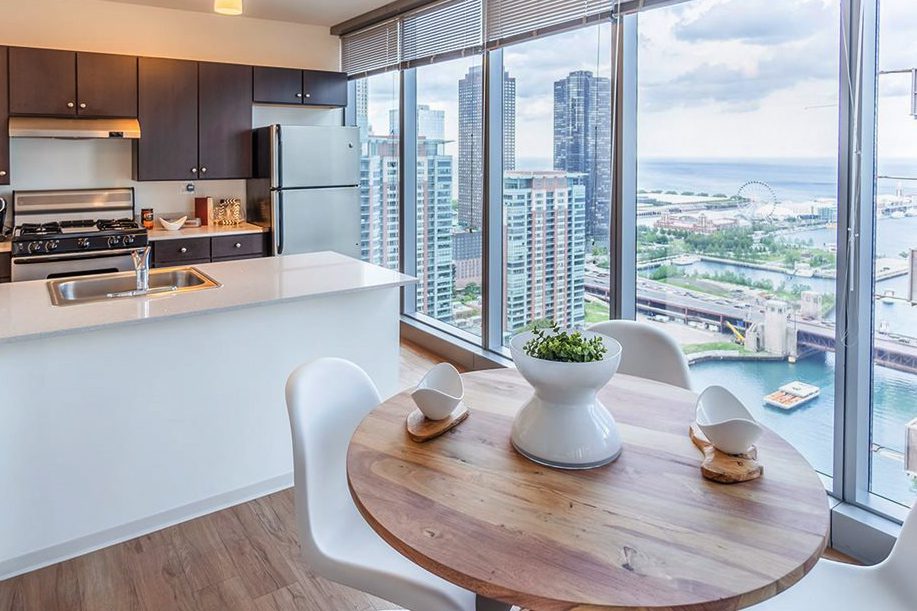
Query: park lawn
x=596 y=311
x=711 y=346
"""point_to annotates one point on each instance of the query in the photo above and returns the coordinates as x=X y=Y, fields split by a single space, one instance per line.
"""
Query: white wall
x=112 y=27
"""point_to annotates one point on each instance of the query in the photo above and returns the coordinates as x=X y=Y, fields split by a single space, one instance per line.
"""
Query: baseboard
x=861 y=534
x=131 y=530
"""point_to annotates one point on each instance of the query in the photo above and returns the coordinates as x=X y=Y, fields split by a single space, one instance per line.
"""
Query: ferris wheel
x=757 y=200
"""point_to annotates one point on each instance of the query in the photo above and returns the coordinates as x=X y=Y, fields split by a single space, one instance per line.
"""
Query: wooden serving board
x=726 y=468
x=421 y=429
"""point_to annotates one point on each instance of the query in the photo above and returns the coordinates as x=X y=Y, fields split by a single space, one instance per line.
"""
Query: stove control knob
x=113 y=241
x=82 y=242
x=51 y=245
x=35 y=247
x=128 y=239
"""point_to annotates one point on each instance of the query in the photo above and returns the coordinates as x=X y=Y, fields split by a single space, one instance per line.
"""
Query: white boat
x=792 y=395
x=888 y=297
x=686 y=260
x=804 y=271
x=897 y=214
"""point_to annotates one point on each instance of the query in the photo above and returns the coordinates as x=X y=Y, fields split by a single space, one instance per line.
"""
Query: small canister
x=146 y=217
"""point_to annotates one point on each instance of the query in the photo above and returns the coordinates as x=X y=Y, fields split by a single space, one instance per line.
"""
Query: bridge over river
x=658 y=298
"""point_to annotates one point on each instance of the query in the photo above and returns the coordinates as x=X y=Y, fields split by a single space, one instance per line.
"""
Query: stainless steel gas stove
x=73 y=233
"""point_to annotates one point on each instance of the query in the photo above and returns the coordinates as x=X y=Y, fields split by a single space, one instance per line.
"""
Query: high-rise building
x=430 y=123
x=379 y=221
x=379 y=207
x=362 y=107
x=471 y=142
x=544 y=248
x=582 y=143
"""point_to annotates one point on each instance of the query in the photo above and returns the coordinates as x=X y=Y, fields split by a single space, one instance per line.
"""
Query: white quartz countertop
x=207 y=231
x=26 y=311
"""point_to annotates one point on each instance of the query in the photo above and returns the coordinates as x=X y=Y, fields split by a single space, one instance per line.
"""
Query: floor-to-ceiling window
x=737 y=202
x=377 y=117
x=893 y=421
x=449 y=182
x=556 y=179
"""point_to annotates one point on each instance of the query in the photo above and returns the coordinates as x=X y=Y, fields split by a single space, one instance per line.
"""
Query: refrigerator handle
x=278 y=226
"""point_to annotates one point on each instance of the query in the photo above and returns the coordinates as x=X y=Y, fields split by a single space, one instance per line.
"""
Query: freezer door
x=310 y=220
x=315 y=156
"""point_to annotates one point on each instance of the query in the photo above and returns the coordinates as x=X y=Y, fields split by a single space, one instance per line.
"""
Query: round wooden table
x=645 y=532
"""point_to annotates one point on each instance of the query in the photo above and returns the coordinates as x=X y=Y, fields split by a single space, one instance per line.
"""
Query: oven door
x=45 y=267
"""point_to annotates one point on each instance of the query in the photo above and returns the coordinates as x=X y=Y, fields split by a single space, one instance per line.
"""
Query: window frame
x=855 y=233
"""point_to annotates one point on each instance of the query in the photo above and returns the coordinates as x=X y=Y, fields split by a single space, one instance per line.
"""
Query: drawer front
x=177 y=252
x=238 y=245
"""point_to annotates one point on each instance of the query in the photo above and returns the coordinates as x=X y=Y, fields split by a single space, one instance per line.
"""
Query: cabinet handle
x=203 y=170
x=2 y=172
x=82 y=104
x=194 y=170
x=238 y=245
x=308 y=95
x=298 y=95
x=183 y=250
x=70 y=104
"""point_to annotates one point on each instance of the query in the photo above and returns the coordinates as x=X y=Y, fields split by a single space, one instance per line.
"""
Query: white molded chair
x=326 y=400
x=889 y=585
x=648 y=352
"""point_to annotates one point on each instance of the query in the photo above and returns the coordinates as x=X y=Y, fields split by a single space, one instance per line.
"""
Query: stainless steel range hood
x=38 y=127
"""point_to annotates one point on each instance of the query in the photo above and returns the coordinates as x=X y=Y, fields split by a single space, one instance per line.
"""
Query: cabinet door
x=42 y=82
x=225 y=144
x=322 y=88
x=4 y=123
x=278 y=85
x=167 y=109
x=106 y=85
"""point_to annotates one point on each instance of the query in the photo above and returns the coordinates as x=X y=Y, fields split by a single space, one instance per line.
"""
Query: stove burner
x=35 y=229
x=116 y=224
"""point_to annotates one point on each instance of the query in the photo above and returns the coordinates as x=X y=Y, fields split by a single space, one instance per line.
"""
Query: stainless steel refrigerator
x=306 y=188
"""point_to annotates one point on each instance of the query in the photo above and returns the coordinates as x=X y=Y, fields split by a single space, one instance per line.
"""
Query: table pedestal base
x=486 y=604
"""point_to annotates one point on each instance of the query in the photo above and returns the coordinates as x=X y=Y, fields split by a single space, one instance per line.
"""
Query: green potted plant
x=564 y=424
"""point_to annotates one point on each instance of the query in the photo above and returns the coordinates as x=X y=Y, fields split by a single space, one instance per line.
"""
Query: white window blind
x=513 y=20
x=372 y=49
x=441 y=31
x=444 y=29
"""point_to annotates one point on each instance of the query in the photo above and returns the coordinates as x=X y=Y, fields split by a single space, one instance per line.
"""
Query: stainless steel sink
x=106 y=287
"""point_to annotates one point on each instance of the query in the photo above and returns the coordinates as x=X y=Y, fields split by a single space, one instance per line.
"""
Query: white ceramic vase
x=564 y=424
x=439 y=392
x=725 y=420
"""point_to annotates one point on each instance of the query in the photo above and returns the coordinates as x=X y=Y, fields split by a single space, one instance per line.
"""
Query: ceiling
x=315 y=12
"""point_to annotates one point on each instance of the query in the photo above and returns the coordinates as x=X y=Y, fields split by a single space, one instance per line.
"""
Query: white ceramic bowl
x=172 y=225
x=725 y=421
x=439 y=392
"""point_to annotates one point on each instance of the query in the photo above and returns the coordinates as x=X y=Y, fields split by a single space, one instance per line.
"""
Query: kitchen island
x=122 y=417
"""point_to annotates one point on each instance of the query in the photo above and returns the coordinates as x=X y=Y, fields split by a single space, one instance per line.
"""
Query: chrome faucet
x=141 y=259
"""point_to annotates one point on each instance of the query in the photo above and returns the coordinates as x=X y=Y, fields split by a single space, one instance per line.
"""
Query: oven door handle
x=35 y=259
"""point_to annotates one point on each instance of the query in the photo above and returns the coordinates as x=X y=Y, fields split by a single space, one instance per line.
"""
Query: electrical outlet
x=187 y=189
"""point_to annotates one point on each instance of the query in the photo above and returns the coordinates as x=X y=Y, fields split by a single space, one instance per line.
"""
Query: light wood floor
x=245 y=557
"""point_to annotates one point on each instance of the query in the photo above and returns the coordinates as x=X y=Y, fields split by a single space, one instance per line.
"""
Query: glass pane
x=557 y=180
x=377 y=116
x=449 y=189
x=737 y=202
x=893 y=456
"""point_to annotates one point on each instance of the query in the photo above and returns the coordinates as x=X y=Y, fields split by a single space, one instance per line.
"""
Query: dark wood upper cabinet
x=225 y=137
x=167 y=109
x=322 y=88
x=106 y=85
x=4 y=122
x=277 y=85
x=42 y=82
